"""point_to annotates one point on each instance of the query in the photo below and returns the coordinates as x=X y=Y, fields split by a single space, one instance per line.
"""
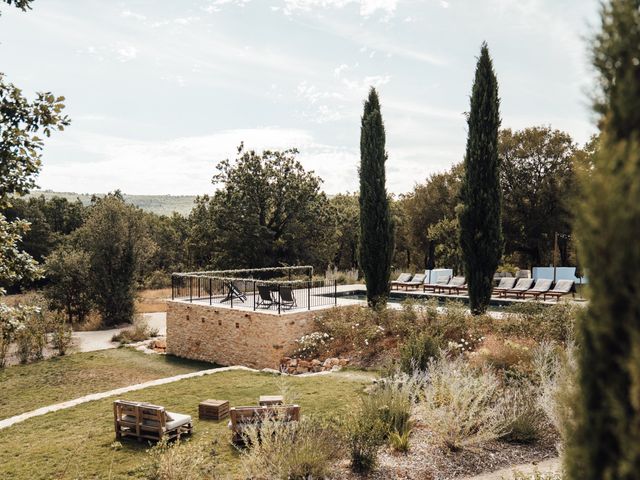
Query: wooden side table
x=213 y=409
x=269 y=400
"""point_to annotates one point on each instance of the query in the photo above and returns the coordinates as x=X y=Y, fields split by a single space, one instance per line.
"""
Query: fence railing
x=249 y=293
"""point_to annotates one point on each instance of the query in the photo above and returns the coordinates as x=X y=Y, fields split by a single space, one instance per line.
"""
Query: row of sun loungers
x=508 y=286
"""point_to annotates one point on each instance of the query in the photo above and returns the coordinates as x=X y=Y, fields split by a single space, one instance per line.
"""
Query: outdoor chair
x=243 y=417
x=233 y=292
x=440 y=281
x=287 y=299
x=147 y=421
x=402 y=278
x=522 y=285
x=506 y=283
x=542 y=286
x=416 y=281
x=562 y=287
x=455 y=284
x=265 y=299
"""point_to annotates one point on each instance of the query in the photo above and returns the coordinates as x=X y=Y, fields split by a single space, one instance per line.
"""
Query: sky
x=160 y=91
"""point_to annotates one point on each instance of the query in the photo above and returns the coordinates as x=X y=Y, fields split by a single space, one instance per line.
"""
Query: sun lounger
x=454 y=285
x=265 y=300
x=522 y=285
x=402 y=278
x=506 y=283
x=542 y=286
x=233 y=292
x=562 y=287
x=150 y=422
x=416 y=281
x=287 y=300
x=441 y=280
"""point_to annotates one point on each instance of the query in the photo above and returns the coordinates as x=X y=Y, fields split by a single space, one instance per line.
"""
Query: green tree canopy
x=268 y=211
x=376 y=224
x=116 y=238
x=539 y=189
x=480 y=215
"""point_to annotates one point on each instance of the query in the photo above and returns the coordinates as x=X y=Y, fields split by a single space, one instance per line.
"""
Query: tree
x=445 y=236
x=116 y=238
x=539 y=188
x=376 y=224
x=604 y=437
x=267 y=212
x=20 y=151
x=480 y=215
x=429 y=203
x=348 y=229
x=69 y=288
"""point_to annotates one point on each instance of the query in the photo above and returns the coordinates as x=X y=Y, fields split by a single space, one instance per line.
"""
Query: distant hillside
x=160 y=204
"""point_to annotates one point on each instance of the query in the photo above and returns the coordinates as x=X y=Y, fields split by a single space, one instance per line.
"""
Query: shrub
x=416 y=352
x=181 y=461
x=392 y=401
x=462 y=405
x=293 y=450
x=8 y=326
x=138 y=332
x=30 y=334
x=312 y=344
x=365 y=434
x=400 y=441
x=524 y=418
x=157 y=279
x=61 y=333
x=511 y=357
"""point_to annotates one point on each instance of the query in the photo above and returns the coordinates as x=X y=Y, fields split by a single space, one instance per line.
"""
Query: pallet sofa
x=149 y=422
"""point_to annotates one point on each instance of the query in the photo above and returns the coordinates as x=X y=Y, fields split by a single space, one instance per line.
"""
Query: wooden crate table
x=213 y=409
x=269 y=400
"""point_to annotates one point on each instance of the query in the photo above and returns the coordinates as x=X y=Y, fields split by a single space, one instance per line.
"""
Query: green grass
x=27 y=387
x=77 y=443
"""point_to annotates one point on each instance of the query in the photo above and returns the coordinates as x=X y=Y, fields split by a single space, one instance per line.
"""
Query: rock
x=343 y=362
x=336 y=368
x=160 y=343
x=293 y=362
x=316 y=363
x=273 y=371
x=304 y=364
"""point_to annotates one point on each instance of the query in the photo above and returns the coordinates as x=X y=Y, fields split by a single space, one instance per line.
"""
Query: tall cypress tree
x=603 y=440
x=480 y=216
x=376 y=224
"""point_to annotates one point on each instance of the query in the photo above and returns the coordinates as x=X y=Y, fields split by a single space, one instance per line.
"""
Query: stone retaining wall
x=233 y=337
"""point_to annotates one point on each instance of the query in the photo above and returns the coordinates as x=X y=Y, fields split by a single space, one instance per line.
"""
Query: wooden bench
x=241 y=417
x=146 y=421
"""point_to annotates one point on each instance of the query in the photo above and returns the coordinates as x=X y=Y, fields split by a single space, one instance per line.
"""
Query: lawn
x=78 y=442
x=27 y=387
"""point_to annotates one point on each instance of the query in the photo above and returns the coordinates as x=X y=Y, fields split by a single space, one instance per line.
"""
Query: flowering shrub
x=312 y=345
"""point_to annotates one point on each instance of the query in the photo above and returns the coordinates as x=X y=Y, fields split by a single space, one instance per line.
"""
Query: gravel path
x=101 y=339
x=552 y=465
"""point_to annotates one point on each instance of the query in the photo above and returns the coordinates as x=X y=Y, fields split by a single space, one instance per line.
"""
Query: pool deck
x=317 y=299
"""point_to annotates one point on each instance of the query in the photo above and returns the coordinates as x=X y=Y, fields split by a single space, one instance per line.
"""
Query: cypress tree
x=480 y=214
x=603 y=437
x=376 y=225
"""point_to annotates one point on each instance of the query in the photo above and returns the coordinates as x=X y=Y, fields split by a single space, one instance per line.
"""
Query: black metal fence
x=255 y=294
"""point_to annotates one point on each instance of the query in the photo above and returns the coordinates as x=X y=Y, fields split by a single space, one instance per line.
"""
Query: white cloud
x=130 y=14
x=127 y=53
x=184 y=165
x=366 y=7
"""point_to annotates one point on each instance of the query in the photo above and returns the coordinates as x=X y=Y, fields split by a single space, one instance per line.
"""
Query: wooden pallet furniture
x=242 y=417
x=213 y=409
x=269 y=400
x=150 y=422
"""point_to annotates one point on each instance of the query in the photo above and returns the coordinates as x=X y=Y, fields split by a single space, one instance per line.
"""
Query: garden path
x=91 y=341
x=551 y=465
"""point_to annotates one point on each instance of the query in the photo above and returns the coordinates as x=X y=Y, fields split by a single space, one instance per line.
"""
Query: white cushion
x=178 y=420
